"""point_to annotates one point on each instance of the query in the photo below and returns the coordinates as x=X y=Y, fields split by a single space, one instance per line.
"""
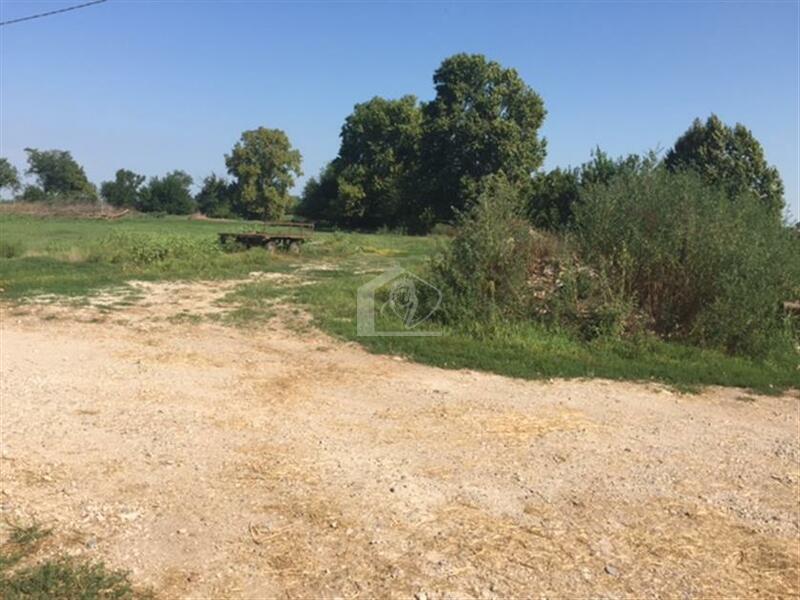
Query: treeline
x=406 y=165
x=262 y=165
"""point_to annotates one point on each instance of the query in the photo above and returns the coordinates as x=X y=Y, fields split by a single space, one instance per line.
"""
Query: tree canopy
x=730 y=157
x=169 y=194
x=368 y=184
x=484 y=119
x=125 y=190
x=551 y=197
x=214 y=197
x=9 y=176
x=264 y=165
x=58 y=174
x=405 y=165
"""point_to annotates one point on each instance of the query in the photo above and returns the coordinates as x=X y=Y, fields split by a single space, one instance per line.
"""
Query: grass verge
x=61 y=257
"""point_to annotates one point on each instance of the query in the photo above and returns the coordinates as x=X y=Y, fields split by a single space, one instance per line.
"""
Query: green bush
x=141 y=249
x=589 y=304
x=701 y=266
x=483 y=272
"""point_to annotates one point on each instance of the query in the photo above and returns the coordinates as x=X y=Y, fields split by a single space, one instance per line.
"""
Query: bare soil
x=214 y=461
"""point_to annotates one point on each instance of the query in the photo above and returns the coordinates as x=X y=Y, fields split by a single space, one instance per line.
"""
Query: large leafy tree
x=169 y=194
x=264 y=165
x=125 y=190
x=9 y=176
x=485 y=119
x=368 y=184
x=58 y=174
x=379 y=151
x=730 y=157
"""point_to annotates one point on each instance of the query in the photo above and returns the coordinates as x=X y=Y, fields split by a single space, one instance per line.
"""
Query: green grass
x=532 y=352
x=76 y=257
x=26 y=571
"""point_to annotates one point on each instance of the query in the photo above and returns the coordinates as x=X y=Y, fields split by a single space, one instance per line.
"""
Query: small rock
x=91 y=543
x=421 y=596
x=182 y=531
x=612 y=570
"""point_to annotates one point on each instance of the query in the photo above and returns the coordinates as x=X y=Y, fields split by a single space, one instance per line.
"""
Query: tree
x=484 y=119
x=9 y=176
x=169 y=194
x=377 y=157
x=729 y=157
x=214 y=198
x=264 y=165
x=369 y=184
x=553 y=196
x=125 y=190
x=58 y=174
x=319 y=195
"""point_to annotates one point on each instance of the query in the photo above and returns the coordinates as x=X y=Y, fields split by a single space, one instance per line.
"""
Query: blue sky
x=161 y=85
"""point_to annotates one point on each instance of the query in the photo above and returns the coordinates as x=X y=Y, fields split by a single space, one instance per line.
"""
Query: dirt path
x=215 y=463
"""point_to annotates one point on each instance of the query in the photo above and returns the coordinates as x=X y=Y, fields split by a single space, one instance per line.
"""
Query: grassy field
x=76 y=257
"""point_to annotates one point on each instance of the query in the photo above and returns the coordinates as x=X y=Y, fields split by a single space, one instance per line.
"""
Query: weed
x=25 y=574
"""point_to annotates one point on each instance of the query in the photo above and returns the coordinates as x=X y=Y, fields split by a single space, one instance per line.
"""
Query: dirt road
x=216 y=462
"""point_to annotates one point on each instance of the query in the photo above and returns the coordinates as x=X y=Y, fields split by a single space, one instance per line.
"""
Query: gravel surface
x=213 y=461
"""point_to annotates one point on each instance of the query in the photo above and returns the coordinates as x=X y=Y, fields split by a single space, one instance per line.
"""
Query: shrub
x=169 y=194
x=701 y=266
x=497 y=270
x=483 y=271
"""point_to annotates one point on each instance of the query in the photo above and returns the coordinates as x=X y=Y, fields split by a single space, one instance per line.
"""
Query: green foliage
x=169 y=194
x=369 y=184
x=124 y=191
x=59 y=176
x=484 y=119
x=215 y=197
x=264 y=165
x=483 y=272
x=552 y=196
x=61 y=258
x=729 y=157
x=319 y=196
x=702 y=267
x=141 y=249
x=66 y=578
x=9 y=176
x=11 y=249
x=380 y=145
x=24 y=575
x=405 y=166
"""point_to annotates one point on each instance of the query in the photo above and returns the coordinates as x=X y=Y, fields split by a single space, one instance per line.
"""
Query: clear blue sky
x=161 y=85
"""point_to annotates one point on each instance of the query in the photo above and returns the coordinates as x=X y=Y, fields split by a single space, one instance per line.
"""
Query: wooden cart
x=277 y=235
